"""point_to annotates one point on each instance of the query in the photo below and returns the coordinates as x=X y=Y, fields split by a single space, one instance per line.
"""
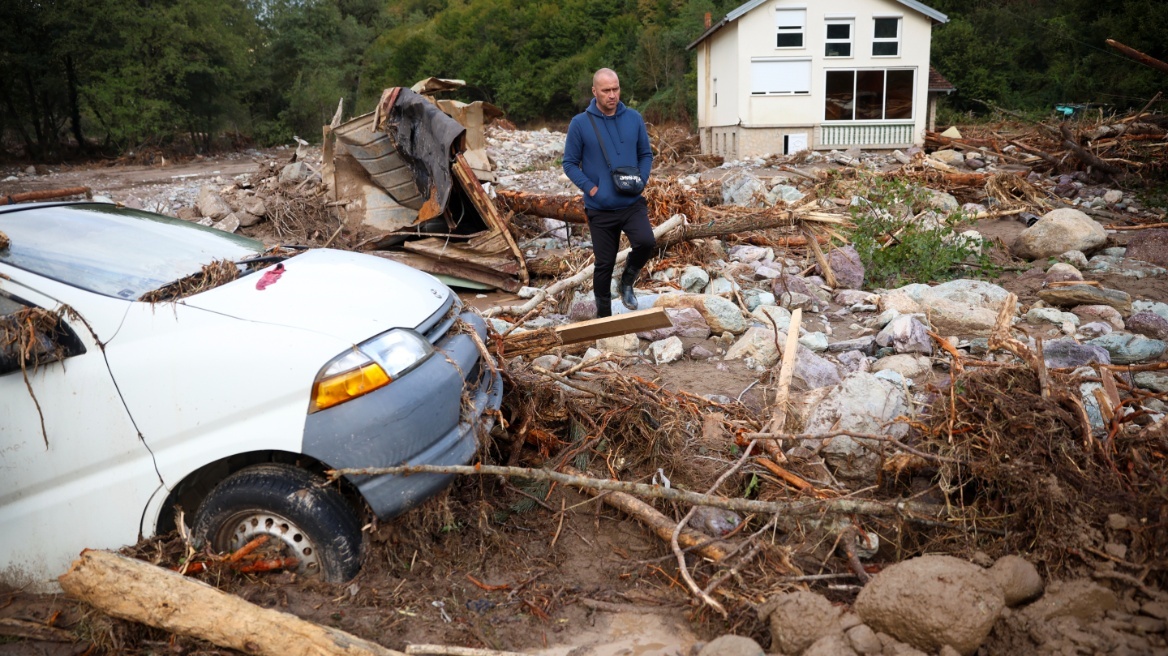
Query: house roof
x=938 y=83
x=746 y=8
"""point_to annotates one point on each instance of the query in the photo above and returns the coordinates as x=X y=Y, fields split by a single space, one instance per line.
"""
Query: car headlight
x=370 y=365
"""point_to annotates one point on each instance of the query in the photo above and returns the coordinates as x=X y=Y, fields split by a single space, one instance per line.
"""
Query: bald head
x=606 y=90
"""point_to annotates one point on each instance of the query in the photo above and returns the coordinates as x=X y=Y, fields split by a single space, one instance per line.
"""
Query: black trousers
x=606 y=227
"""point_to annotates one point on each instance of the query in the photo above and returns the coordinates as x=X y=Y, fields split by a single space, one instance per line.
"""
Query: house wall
x=753 y=36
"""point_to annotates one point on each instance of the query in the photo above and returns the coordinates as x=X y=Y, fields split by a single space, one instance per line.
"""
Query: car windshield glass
x=114 y=251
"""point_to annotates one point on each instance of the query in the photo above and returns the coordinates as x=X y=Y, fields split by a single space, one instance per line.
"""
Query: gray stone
x=866 y=345
x=835 y=644
x=757 y=344
x=666 y=350
x=812 y=371
x=1112 y=196
x=229 y=223
x=1077 y=259
x=211 y=205
x=1150 y=306
x=849 y=297
x=906 y=365
x=721 y=285
x=795 y=300
x=861 y=403
x=1066 y=353
x=1126 y=348
x=1061 y=272
x=1152 y=246
x=687 y=322
x=906 y=335
x=853 y=361
x=765 y=314
x=701 y=352
x=293 y=173
x=1152 y=380
x=1093 y=330
x=949 y=156
x=963 y=307
x=743 y=189
x=864 y=640
x=848 y=268
x=784 y=193
x=1148 y=324
x=620 y=345
x=755 y=298
x=731 y=645
x=721 y=315
x=1051 y=315
x=694 y=279
x=254 y=205
x=1104 y=313
x=247 y=219
x=582 y=307
x=1059 y=231
x=1073 y=295
x=905 y=300
x=816 y=342
x=1018 y=578
x=1125 y=267
x=790 y=284
x=750 y=253
x=894 y=377
x=764 y=272
x=932 y=601
x=798 y=619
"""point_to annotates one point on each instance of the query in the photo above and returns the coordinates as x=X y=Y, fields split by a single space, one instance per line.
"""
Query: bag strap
x=600 y=141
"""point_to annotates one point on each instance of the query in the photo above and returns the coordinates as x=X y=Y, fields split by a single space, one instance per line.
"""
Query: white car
x=227 y=402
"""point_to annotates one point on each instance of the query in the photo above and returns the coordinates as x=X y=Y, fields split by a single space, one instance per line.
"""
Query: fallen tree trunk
x=140 y=592
x=1146 y=60
x=561 y=207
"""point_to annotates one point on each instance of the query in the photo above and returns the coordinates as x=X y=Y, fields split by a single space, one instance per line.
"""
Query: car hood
x=350 y=296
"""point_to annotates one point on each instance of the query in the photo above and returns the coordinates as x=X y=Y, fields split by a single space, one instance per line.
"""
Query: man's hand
x=594 y=190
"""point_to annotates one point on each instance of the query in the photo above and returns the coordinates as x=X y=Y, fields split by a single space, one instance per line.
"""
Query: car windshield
x=112 y=250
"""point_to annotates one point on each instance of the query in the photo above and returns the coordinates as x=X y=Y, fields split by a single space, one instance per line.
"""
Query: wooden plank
x=470 y=184
x=451 y=268
x=620 y=324
x=441 y=249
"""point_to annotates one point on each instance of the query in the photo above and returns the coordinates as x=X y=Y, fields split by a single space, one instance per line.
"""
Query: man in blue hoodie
x=610 y=212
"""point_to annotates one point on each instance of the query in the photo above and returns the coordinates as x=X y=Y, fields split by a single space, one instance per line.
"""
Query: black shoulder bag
x=626 y=179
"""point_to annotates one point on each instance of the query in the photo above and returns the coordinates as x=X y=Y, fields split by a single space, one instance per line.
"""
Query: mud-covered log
x=565 y=208
x=764 y=220
x=140 y=592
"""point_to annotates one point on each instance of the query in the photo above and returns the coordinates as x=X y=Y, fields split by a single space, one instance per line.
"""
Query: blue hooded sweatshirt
x=627 y=143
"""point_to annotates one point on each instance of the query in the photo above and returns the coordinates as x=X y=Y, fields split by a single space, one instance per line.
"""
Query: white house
x=779 y=76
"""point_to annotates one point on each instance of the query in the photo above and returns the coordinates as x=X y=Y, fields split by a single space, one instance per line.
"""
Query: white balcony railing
x=887 y=135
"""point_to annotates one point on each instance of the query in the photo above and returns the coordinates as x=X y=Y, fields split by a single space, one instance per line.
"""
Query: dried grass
x=212 y=275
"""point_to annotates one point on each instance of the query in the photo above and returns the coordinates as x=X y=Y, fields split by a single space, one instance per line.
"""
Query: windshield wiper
x=277 y=253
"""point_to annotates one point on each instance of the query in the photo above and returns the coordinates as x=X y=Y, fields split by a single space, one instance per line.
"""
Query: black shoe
x=627 y=295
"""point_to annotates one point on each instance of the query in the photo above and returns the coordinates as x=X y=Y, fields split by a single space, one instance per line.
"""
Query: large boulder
x=720 y=314
x=757 y=344
x=210 y=204
x=1152 y=246
x=933 y=601
x=1067 y=353
x=812 y=371
x=743 y=189
x=861 y=403
x=846 y=265
x=1057 y=232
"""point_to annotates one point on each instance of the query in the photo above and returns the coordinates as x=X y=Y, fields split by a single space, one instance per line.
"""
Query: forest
x=103 y=77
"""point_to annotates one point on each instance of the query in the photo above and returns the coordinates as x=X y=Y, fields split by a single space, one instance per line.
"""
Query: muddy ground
x=490 y=564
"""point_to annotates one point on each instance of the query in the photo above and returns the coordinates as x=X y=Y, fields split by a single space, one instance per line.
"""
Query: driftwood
x=538 y=341
x=569 y=209
x=1086 y=156
x=138 y=591
x=45 y=194
x=1139 y=56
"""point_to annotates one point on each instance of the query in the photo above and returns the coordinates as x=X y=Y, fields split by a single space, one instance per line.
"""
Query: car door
x=73 y=472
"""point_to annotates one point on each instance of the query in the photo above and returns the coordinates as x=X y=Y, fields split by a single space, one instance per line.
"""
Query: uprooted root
x=212 y=275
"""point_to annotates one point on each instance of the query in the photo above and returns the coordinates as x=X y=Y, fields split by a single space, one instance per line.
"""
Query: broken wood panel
x=441 y=249
x=140 y=592
x=620 y=324
x=470 y=184
x=451 y=268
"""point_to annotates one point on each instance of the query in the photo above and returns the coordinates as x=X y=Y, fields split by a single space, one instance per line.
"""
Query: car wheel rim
x=281 y=532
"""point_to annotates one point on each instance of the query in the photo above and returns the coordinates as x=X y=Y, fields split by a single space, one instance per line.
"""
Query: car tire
x=314 y=522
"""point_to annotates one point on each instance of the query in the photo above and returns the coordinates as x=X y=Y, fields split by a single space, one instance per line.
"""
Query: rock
x=1078 y=598
x=1059 y=231
x=784 y=193
x=757 y=344
x=798 y=619
x=1051 y=315
x=1077 y=259
x=853 y=361
x=906 y=365
x=849 y=297
x=720 y=314
x=1018 y=578
x=815 y=342
x=1104 y=313
x=904 y=300
x=700 y=352
x=1073 y=295
x=749 y=253
x=834 y=644
x=229 y=223
x=731 y=645
x=714 y=522
x=743 y=189
x=766 y=314
x=210 y=204
x=794 y=300
x=687 y=322
x=941 y=201
x=1067 y=353
x=694 y=279
x=846 y=265
x=1151 y=380
x=1061 y=272
x=755 y=298
x=932 y=601
x=1148 y=324
x=1152 y=246
x=620 y=345
x=188 y=214
x=247 y=219
x=866 y=345
x=861 y=403
x=811 y=370
x=255 y=206
x=293 y=173
x=1093 y=330
x=962 y=307
x=1126 y=348
x=721 y=285
x=1112 y=196
x=950 y=157
x=906 y=335
x=864 y=640
x=666 y=350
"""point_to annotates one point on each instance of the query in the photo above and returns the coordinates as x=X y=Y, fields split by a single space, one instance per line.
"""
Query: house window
x=715 y=92
x=789 y=25
x=886 y=37
x=868 y=95
x=775 y=76
x=839 y=38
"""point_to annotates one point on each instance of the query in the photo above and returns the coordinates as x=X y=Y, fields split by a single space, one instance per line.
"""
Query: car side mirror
x=32 y=337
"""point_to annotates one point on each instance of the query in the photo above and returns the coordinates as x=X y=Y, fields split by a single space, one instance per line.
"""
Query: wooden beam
x=451 y=267
x=486 y=207
x=620 y=324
